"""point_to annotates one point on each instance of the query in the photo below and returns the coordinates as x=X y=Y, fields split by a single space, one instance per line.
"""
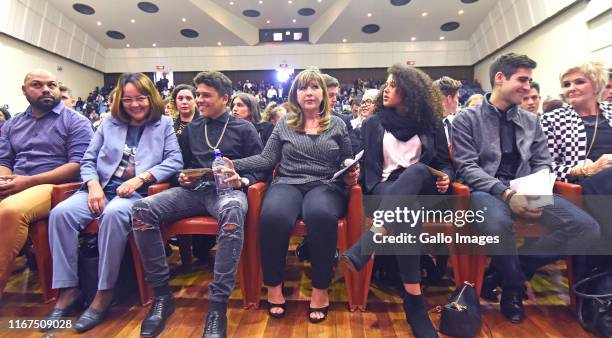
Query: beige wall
x=19 y=58
x=570 y=37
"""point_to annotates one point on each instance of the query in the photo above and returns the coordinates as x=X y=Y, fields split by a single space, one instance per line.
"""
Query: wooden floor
x=547 y=314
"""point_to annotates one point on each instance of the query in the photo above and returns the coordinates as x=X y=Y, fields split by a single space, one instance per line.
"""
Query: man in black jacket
x=235 y=138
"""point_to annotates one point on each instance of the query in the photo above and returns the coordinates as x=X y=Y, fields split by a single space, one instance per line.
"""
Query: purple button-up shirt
x=30 y=145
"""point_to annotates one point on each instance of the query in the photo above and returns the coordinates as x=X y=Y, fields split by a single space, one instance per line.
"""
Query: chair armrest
x=62 y=191
x=157 y=188
x=354 y=213
x=572 y=192
x=461 y=196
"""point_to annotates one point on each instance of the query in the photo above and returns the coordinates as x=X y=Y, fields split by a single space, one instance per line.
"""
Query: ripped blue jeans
x=177 y=203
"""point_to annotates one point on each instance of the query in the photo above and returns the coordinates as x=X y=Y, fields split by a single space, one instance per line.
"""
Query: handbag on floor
x=594 y=308
x=88 y=266
x=461 y=316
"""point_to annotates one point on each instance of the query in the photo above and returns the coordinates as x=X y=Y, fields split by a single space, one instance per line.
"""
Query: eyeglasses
x=139 y=99
x=368 y=102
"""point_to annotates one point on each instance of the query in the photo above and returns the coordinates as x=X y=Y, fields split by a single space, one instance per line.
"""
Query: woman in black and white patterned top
x=307 y=146
x=580 y=143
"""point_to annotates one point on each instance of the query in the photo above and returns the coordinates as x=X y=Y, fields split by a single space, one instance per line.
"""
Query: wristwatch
x=245 y=181
x=144 y=177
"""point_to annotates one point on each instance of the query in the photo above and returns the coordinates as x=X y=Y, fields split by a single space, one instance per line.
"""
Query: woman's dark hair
x=175 y=92
x=251 y=102
x=422 y=100
x=145 y=86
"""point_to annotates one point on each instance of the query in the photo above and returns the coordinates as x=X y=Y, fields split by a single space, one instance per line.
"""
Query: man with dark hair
x=66 y=96
x=496 y=143
x=449 y=88
x=38 y=148
x=332 y=94
x=235 y=138
x=531 y=101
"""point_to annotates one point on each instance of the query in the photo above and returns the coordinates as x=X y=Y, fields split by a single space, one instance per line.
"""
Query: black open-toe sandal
x=312 y=310
x=277 y=315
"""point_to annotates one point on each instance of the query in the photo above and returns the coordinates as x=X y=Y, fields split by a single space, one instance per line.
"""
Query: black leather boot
x=415 y=309
x=155 y=321
x=216 y=321
x=511 y=304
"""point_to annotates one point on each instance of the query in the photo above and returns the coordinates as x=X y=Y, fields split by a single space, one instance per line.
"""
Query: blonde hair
x=295 y=119
x=474 y=100
x=594 y=71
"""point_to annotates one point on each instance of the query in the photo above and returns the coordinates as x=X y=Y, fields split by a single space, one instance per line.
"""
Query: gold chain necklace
x=220 y=137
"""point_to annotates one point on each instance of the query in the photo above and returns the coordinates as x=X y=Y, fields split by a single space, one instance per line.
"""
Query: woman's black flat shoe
x=89 y=319
x=312 y=310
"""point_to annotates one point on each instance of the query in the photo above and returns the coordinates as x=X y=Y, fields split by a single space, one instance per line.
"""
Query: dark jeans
x=572 y=231
x=320 y=206
x=414 y=180
x=177 y=203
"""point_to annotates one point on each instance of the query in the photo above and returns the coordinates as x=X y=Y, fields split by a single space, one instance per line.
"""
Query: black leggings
x=414 y=180
x=320 y=206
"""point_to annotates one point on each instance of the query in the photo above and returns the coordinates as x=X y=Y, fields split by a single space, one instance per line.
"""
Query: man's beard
x=44 y=105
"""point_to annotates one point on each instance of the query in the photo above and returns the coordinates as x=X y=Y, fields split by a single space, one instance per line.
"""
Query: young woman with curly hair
x=401 y=140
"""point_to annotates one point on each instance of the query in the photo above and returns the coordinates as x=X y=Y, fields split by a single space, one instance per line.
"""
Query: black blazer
x=434 y=152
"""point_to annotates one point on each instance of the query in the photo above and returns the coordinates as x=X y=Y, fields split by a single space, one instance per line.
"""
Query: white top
x=399 y=154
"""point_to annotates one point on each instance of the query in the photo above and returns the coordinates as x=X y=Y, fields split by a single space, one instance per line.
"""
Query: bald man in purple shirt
x=38 y=148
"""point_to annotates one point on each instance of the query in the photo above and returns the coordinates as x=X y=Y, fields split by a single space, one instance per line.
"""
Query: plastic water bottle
x=217 y=166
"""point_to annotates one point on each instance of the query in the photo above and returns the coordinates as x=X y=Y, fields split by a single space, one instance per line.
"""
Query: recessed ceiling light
x=260 y=2
x=294 y=20
x=413 y=38
x=184 y=19
x=289 y=2
x=460 y=11
x=231 y=3
x=369 y=15
x=127 y=45
x=219 y=43
x=441 y=38
x=424 y=14
x=99 y=23
x=344 y=40
x=319 y=0
x=267 y=21
x=154 y=45
x=132 y=21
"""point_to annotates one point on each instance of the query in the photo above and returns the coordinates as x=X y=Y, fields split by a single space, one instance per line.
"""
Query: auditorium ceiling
x=209 y=23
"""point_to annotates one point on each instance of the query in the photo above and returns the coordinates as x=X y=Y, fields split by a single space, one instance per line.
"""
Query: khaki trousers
x=17 y=212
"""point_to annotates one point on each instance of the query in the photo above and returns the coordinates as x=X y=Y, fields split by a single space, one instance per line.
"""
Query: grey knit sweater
x=301 y=158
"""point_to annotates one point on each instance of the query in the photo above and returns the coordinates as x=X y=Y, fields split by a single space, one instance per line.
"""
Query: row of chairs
x=468 y=263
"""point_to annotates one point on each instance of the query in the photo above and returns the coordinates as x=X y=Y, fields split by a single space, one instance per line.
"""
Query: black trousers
x=320 y=205
x=597 y=194
x=414 y=180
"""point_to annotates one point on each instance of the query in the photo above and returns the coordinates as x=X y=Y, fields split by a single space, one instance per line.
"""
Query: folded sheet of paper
x=539 y=186
x=343 y=170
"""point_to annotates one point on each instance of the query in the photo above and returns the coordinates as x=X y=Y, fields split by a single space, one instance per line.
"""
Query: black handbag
x=594 y=306
x=88 y=266
x=461 y=315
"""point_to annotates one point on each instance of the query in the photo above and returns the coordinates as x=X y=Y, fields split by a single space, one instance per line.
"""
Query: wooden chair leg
x=185 y=250
x=39 y=234
x=146 y=293
x=249 y=270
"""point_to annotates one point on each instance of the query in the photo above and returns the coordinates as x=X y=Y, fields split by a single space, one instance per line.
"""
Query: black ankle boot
x=360 y=253
x=155 y=321
x=415 y=309
x=216 y=321
x=511 y=304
